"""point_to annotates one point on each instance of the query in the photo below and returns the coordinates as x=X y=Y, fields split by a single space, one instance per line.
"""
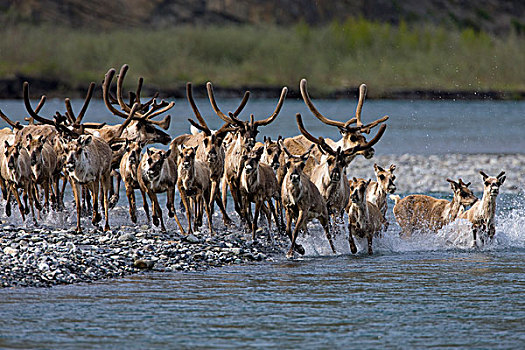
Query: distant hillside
x=488 y=15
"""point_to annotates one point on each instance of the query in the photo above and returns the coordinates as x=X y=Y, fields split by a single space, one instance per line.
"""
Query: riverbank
x=11 y=88
x=394 y=61
x=44 y=257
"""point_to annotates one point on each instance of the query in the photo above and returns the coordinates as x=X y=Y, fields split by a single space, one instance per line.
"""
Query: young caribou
x=418 y=212
x=482 y=213
x=157 y=173
x=129 y=172
x=194 y=183
x=302 y=203
x=258 y=185
x=364 y=218
x=88 y=162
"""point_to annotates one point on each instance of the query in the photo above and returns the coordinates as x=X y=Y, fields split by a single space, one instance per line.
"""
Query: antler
x=272 y=117
x=318 y=141
x=189 y=96
x=14 y=125
x=309 y=103
x=369 y=144
x=232 y=119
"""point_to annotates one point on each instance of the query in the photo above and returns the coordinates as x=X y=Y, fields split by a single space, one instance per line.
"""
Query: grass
x=332 y=57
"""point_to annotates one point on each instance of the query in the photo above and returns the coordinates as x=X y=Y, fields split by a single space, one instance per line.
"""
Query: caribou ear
x=501 y=179
x=288 y=164
x=6 y=144
x=302 y=165
x=86 y=141
x=453 y=184
x=206 y=142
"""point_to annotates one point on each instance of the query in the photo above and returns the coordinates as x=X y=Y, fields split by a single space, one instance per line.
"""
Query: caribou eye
x=487 y=183
x=353 y=138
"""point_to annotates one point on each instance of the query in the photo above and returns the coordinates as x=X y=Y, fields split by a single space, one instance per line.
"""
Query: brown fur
x=194 y=182
x=258 y=185
x=377 y=190
x=157 y=173
x=482 y=213
x=44 y=167
x=302 y=202
x=364 y=218
x=420 y=212
x=88 y=163
x=129 y=171
x=16 y=170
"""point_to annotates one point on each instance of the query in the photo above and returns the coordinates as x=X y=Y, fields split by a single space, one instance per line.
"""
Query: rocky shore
x=46 y=257
x=54 y=254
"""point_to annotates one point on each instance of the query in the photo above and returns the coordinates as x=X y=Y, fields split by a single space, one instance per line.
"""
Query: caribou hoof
x=96 y=218
x=106 y=228
x=171 y=213
x=113 y=201
x=299 y=249
x=155 y=221
x=8 y=209
x=133 y=218
x=289 y=255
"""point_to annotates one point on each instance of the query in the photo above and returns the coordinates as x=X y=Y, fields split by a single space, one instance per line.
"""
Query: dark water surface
x=397 y=300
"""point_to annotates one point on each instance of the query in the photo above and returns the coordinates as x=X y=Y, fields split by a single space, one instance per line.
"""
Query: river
x=429 y=291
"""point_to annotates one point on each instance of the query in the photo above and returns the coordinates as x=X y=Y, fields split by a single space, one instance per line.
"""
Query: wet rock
x=143 y=264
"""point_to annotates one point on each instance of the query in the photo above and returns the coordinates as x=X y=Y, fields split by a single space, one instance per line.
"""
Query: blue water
x=429 y=291
x=421 y=127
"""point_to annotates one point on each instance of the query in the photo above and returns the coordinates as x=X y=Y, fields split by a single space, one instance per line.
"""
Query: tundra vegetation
x=336 y=56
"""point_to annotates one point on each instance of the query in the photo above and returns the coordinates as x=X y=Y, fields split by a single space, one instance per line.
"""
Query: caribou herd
x=290 y=181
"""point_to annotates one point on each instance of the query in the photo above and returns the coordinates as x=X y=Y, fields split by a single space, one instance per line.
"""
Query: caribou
x=419 y=212
x=482 y=213
x=245 y=140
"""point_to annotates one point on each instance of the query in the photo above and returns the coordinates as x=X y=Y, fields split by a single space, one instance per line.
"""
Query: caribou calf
x=481 y=215
x=302 y=202
x=129 y=171
x=88 y=162
x=258 y=184
x=377 y=190
x=157 y=173
x=194 y=183
x=16 y=170
x=419 y=212
x=364 y=217
x=44 y=167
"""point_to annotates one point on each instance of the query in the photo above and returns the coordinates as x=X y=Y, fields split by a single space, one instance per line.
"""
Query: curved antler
x=272 y=117
x=318 y=141
x=369 y=144
x=14 y=125
x=316 y=113
x=243 y=103
x=30 y=110
x=211 y=96
x=106 y=96
x=189 y=96
x=202 y=128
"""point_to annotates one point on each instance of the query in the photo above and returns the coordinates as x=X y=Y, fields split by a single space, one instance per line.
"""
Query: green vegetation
x=336 y=56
